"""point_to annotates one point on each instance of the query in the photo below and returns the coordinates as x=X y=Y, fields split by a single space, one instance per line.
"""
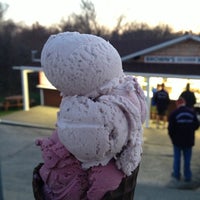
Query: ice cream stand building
x=174 y=62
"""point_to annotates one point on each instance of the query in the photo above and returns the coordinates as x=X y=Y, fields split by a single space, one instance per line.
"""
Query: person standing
x=181 y=129
x=189 y=96
x=161 y=99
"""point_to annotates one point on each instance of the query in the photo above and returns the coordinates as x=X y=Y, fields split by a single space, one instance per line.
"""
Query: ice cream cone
x=98 y=136
x=37 y=183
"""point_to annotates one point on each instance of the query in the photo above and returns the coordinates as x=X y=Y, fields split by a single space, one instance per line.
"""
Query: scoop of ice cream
x=103 y=179
x=127 y=86
x=77 y=64
x=93 y=131
x=64 y=177
x=128 y=95
x=62 y=174
x=109 y=126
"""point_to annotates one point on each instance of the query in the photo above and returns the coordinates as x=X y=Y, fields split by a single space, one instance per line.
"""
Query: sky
x=181 y=15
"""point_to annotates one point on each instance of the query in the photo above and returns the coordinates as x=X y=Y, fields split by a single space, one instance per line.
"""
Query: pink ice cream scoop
x=99 y=124
x=64 y=177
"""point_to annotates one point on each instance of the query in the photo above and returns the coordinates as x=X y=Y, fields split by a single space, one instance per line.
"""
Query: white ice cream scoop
x=94 y=132
x=78 y=64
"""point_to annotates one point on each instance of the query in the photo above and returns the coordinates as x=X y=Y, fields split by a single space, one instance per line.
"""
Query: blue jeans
x=187 y=155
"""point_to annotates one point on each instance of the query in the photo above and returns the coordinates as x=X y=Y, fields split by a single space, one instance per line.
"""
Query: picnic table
x=13 y=101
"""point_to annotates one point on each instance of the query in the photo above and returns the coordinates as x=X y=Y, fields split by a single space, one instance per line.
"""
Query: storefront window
x=173 y=85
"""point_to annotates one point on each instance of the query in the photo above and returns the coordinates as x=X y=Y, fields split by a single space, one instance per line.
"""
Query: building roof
x=161 y=46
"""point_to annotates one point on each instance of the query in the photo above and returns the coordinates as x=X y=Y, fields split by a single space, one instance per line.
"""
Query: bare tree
x=85 y=22
x=3 y=9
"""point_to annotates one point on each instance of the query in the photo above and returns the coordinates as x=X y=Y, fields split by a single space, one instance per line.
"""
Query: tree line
x=18 y=40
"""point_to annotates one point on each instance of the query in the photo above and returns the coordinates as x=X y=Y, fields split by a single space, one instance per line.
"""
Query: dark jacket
x=182 y=125
x=161 y=99
x=189 y=98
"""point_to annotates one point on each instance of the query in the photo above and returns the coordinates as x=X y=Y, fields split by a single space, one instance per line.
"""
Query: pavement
x=19 y=156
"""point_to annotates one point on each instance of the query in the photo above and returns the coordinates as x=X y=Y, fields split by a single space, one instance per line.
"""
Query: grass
x=6 y=112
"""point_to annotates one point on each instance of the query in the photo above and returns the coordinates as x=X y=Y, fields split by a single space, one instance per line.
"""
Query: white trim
x=147 y=122
x=24 y=81
x=25 y=90
x=51 y=87
x=163 y=75
x=29 y=68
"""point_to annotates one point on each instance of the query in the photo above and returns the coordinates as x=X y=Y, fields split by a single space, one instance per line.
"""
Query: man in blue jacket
x=181 y=128
x=162 y=101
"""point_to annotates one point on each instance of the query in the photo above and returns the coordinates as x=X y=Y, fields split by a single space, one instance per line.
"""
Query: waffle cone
x=37 y=183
